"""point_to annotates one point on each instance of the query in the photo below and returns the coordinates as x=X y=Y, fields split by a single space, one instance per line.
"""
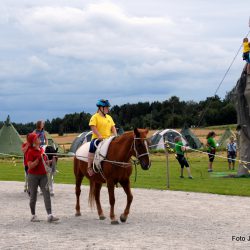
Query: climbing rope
x=222 y=80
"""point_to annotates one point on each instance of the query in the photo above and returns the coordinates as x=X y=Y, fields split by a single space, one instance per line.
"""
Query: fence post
x=167 y=165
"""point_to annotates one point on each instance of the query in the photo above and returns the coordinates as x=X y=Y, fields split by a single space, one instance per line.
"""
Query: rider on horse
x=102 y=126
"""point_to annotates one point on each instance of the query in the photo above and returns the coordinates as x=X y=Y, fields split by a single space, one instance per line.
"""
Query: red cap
x=31 y=138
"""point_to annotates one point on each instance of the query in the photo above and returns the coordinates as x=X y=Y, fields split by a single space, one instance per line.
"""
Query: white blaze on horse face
x=146 y=145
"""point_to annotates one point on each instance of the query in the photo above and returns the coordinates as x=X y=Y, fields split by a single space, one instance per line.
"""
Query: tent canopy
x=159 y=137
x=191 y=138
x=86 y=137
x=225 y=137
x=79 y=140
x=10 y=140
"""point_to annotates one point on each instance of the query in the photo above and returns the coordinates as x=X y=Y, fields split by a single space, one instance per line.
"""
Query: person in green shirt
x=180 y=149
x=211 y=149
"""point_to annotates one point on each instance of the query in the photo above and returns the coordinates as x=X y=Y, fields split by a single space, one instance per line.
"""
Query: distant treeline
x=174 y=113
x=171 y=113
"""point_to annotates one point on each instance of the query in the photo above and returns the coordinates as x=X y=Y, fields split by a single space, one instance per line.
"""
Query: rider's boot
x=90 y=164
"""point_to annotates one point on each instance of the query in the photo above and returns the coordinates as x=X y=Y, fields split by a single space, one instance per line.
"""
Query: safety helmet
x=103 y=103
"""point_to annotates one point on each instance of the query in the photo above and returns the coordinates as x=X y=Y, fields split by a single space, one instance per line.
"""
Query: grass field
x=155 y=178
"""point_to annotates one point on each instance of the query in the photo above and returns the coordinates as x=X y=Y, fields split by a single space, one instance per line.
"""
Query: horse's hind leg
x=127 y=189
x=98 y=187
x=78 y=176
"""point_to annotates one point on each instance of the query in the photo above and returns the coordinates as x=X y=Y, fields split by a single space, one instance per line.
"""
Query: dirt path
x=158 y=220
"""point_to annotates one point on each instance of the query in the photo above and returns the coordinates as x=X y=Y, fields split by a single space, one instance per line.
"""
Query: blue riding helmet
x=103 y=103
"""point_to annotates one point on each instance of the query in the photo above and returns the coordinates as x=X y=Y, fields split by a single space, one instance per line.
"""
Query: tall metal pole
x=167 y=165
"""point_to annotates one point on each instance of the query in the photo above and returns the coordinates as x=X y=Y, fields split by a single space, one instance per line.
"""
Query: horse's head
x=141 y=151
x=50 y=152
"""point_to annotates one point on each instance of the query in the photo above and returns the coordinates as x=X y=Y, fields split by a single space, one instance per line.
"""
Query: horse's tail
x=92 y=194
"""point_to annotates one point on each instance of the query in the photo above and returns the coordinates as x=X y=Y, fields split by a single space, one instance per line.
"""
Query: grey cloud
x=61 y=57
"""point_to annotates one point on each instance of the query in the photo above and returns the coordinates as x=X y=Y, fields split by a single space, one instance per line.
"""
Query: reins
x=131 y=161
x=137 y=155
x=127 y=164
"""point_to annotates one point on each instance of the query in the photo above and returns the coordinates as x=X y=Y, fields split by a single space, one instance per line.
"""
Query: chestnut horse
x=117 y=168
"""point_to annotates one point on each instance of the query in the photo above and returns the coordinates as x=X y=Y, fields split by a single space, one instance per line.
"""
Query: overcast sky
x=59 y=57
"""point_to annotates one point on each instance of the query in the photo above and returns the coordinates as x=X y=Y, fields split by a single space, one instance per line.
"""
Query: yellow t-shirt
x=246 y=47
x=103 y=125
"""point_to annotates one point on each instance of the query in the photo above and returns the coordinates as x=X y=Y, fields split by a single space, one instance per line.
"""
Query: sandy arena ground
x=158 y=220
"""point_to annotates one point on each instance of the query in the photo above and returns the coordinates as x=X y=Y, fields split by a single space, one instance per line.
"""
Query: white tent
x=161 y=136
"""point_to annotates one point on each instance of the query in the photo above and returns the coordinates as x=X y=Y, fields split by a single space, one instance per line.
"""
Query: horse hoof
x=114 y=222
x=78 y=214
x=123 y=218
x=102 y=217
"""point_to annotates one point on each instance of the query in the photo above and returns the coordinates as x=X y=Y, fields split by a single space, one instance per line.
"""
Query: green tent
x=10 y=140
x=192 y=139
x=225 y=137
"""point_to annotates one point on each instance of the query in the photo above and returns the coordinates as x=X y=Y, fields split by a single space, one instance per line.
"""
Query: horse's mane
x=121 y=138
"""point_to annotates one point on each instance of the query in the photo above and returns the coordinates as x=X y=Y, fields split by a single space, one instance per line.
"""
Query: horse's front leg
x=127 y=190
x=98 y=187
x=111 y=190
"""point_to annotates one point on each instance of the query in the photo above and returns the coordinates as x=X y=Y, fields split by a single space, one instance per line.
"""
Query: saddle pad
x=101 y=151
x=82 y=152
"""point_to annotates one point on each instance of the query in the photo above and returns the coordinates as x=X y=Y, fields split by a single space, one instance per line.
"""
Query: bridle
x=137 y=155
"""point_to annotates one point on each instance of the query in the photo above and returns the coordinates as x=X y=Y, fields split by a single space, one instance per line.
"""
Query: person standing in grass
x=38 y=177
x=231 y=153
x=211 y=149
x=41 y=133
x=180 y=149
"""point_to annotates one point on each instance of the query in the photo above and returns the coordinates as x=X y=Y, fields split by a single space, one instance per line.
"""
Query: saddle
x=100 y=154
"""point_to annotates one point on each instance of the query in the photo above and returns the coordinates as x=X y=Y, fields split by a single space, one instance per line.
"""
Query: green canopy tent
x=10 y=140
x=86 y=137
x=79 y=140
x=192 y=139
x=225 y=137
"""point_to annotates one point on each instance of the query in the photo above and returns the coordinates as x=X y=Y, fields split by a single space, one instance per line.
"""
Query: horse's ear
x=137 y=133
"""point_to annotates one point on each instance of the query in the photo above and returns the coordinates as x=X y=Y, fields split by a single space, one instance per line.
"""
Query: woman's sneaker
x=52 y=218
x=34 y=219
